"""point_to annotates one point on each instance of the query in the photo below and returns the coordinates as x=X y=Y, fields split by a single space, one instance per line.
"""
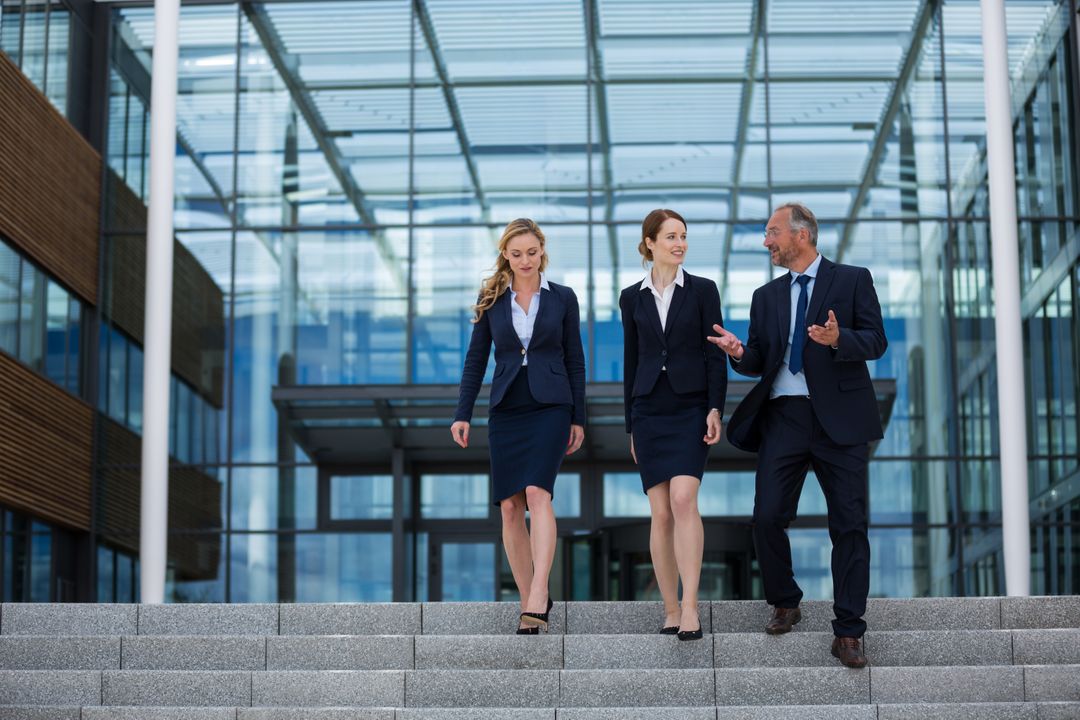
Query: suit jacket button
x=663 y=353
x=522 y=351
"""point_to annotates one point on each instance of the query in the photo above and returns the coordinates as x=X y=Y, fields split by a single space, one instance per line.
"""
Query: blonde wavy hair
x=497 y=283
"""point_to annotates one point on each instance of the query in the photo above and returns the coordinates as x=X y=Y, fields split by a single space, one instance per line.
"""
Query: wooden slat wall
x=198 y=311
x=45 y=450
x=50 y=185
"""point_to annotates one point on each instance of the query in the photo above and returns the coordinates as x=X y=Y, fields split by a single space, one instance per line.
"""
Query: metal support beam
x=1008 y=331
x=881 y=138
x=157 y=332
x=305 y=105
x=592 y=14
x=423 y=19
x=746 y=105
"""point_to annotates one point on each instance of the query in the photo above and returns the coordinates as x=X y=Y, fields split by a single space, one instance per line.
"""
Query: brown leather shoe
x=849 y=651
x=782 y=620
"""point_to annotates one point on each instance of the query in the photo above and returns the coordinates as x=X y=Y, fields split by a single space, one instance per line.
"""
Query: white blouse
x=525 y=321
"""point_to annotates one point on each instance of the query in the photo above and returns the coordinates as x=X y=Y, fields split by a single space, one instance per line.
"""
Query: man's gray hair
x=802 y=218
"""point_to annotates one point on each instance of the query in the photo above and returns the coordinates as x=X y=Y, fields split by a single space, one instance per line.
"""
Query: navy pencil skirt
x=668 y=429
x=527 y=440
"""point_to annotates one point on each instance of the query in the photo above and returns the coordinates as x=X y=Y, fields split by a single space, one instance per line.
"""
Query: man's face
x=784 y=244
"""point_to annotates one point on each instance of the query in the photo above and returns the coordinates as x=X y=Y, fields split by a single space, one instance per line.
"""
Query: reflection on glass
x=9 y=299
x=468 y=572
x=196 y=569
x=567 y=497
x=274 y=498
x=344 y=568
x=454 y=496
x=361 y=497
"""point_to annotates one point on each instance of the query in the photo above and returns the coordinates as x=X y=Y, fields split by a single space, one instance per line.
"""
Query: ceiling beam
x=884 y=128
x=427 y=27
x=305 y=105
x=746 y=106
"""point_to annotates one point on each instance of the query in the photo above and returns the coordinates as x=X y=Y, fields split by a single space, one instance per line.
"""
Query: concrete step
x=799 y=648
x=576 y=618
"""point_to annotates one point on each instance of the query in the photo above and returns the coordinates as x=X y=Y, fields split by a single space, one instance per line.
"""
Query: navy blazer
x=556 y=358
x=693 y=363
x=841 y=391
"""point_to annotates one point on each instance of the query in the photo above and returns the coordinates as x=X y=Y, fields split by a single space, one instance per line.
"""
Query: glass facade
x=343 y=169
x=344 y=188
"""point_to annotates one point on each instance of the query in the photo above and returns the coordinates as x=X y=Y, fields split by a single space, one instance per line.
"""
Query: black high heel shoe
x=528 y=631
x=537 y=620
x=691 y=634
x=670 y=630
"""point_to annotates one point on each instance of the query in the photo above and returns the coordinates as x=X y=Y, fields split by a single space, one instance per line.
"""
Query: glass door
x=462 y=568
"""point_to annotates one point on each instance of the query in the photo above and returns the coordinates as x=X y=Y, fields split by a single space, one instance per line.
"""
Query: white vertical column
x=157 y=333
x=1009 y=337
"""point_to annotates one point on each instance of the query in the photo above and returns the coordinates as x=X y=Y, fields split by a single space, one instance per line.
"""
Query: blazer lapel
x=824 y=278
x=506 y=310
x=648 y=305
x=677 y=298
x=783 y=306
x=546 y=298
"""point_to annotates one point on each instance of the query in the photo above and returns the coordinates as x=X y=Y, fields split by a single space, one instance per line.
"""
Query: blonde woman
x=674 y=385
x=537 y=407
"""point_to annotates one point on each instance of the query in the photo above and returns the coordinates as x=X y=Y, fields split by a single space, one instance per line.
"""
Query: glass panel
x=911 y=562
x=41 y=547
x=73 y=381
x=196 y=570
x=253 y=566
x=361 y=497
x=567 y=499
x=135 y=388
x=454 y=496
x=56 y=333
x=205 y=107
x=1033 y=26
x=106 y=575
x=9 y=299
x=623 y=496
x=468 y=572
x=118 y=373
x=32 y=317
x=344 y=568
x=266 y=498
x=313 y=308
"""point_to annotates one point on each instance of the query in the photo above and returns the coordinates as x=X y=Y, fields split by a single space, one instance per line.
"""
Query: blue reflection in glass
x=361 y=497
x=344 y=568
x=454 y=496
x=468 y=572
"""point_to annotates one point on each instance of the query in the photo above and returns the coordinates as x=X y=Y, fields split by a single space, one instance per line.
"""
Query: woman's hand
x=577 y=436
x=712 y=427
x=460 y=431
x=632 y=453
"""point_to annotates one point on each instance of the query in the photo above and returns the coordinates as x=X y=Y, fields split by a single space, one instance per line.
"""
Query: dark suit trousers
x=792 y=442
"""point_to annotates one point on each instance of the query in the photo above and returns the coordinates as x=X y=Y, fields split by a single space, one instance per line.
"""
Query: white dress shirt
x=663 y=299
x=786 y=383
x=525 y=321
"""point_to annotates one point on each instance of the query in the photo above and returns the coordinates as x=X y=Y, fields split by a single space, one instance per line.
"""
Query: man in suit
x=812 y=330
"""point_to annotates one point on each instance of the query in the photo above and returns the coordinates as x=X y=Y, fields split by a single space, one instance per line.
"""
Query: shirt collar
x=543 y=286
x=647 y=283
x=810 y=272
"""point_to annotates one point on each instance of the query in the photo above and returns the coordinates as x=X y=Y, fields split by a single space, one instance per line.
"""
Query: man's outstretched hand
x=727 y=342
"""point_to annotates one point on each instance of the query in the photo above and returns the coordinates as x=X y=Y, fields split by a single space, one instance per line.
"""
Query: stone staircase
x=982 y=658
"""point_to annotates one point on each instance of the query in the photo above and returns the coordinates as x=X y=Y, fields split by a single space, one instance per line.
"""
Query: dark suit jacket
x=556 y=358
x=839 y=382
x=693 y=363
